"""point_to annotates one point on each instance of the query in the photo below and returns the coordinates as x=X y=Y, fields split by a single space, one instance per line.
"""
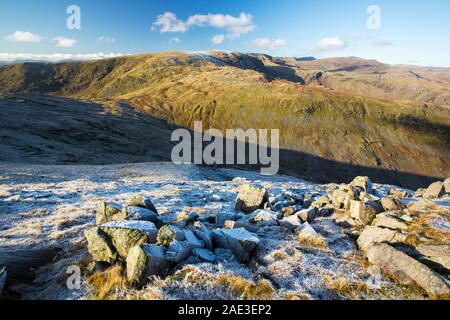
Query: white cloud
x=63 y=42
x=55 y=57
x=106 y=39
x=380 y=42
x=174 y=40
x=329 y=44
x=234 y=26
x=218 y=39
x=24 y=36
x=267 y=44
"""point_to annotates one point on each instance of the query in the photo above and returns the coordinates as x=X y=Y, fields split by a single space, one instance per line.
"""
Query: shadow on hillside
x=91 y=136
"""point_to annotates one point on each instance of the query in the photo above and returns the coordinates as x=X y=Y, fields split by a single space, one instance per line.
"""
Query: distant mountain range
x=338 y=117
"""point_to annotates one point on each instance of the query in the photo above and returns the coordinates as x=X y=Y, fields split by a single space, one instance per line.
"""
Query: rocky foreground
x=157 y=231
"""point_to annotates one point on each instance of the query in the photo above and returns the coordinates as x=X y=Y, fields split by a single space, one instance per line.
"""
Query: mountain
x=338 y=117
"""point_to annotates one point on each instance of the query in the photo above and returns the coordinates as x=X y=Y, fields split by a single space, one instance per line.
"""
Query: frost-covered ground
x=50 y=206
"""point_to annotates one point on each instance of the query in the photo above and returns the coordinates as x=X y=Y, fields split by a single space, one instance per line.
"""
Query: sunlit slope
x=257 y=91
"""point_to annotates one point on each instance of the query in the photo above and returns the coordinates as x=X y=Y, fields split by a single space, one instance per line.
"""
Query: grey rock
x=372 y=235
x=307 y=215
x=402 y=194
x=438 y=254
x=139 y=213
x=291 y=223
x=363 y=212
x=407 y=270
x=192 y=240
x=144 y=261
x=205 y=237
x=169 y=233
x=241 y=242
x=391 y=220
x=143 y=202
x=126 y=234
x=363 y=183
x=392 y=204
x=178 y=251
x=225 y=216
x=263 y=215
x=306 y=231
x=109 y=211
x=435 y=190
x=251 y=198
x=341 y=197
x=99 y=245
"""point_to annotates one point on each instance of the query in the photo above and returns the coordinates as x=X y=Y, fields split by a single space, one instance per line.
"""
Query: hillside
x=331 y=127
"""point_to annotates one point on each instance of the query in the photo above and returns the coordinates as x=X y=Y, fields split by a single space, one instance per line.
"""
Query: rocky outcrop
x=435 y=190
x=241 y=242
x=372 y=235
x=407 y=270
x=251 y=198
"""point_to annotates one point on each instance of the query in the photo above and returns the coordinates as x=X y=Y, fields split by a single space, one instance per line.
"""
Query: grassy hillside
x=321 y=128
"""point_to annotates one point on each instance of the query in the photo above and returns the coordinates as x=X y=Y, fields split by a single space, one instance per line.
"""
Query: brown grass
x=313 y=242
x=105 y=282
x=346 y=289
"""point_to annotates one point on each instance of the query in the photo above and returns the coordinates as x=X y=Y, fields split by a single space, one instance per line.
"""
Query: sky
x=395 y=32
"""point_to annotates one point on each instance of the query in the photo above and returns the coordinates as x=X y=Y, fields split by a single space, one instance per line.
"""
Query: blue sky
x=411 y=32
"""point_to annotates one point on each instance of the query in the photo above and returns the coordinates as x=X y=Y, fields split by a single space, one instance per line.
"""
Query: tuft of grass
x=345 y=288
x=313 y=242
x=248 y=290
x=103 y=283
x=297 y=296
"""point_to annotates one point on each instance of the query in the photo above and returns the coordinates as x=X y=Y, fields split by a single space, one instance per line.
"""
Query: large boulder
x=363 y=183
x=192 y=240
x=407 y=270
x=169 y=233
x=204 y=255
x=109 y=211
x=391 y=203
x=100 y=246
x=126 y=234
x=307 y=215
x=363 y=212
x=306 y=231
x=251 y=198
x=291 y=223
x=435 y=190
x=241 y=242
x=143 y=202
x=438 y=254
x=178 y=251
x=372 y=235
x=392 y=220
x=144 y=261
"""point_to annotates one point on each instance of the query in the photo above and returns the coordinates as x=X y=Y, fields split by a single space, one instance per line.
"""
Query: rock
x=219 y=239
x=99 y=245
x=192 y=240
x=109 y=211
x=3 y=275
x=420 y=192
x=178 y=251
x=144 y=261
x=341 y=197
x=372 y=235
x=291 y=223
x=241 y=242
x=225 y=216
x=407 y=270
x=282 y=204
x=447 y=185
x=322 y=202
x=363 y=212
x=251 y=198
x=143 y=202
x=365 y=197
x=423 y=205
x=204 y=255
x=306 y=231
x=435 y=190
x=399 y=193
x=263 y=215
x=205 y=237
x=229 y=224
x=139 y=213
x=439 y=254
x=289 y=211
x=127 y=234
x=391 y=203
x=363 y=183
x=307 y=215
x=169 y=233
x=391 y=220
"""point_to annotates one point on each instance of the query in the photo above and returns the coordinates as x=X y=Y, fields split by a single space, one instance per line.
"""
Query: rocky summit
x=235 y=235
